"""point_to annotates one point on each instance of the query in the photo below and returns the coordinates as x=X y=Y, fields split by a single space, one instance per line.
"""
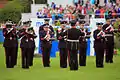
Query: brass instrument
x=87 y=34
x=47 y=37
x=110 y=28
x=30 y=31
x=101 y=33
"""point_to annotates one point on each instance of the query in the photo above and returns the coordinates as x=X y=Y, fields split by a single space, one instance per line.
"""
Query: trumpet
x=87 y=34
x=83 y=30
x=47 y=37
x=30 y=30
x=111 y=29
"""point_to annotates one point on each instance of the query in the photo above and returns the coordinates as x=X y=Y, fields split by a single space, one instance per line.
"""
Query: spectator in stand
x=97 y=2
x=118 y=12
x=97 y=13
x=75 y=2
x=113 y=1
x=90 y=10
x=118 y=1
x=110 y=14
x=106 y=13
x=61 y=8
x=48 y=15
x=114 y=13
x=79 y=11
x=81 y=2
x=65 y=18
x=102 y=12
x=79 y=7
x=92 y=2
x=39 y=14
x=53 y=5
x=84 y=11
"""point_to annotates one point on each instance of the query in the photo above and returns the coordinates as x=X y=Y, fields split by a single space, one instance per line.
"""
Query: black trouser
x=63 y=57
x=16 y=54
x=46 y=56
x=9 y=52
x=73 y=59
x=82 y=55
x=31 y=56
x=25 y=57
x=109 y=53
x=99 y=50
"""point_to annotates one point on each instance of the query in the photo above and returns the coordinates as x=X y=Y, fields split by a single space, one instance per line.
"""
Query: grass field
x=38 y=72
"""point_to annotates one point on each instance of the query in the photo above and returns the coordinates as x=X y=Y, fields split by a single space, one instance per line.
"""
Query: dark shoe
x=23 y=67
x=73 y=69
x=63 y=67
x=111 y=61
x=10 y=67
x=26 y=67
x=107 y=61
x=30 y=65
x=82 y=65
x=100 y=66
x=46 y=65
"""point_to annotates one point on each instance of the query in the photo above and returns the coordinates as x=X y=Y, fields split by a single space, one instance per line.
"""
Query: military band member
x=41 y=28
x=10 y=44
x=16 y=54
x=32 y=36
x=27 y=46
x=99 y=45
x=108 y=29
x=72 y=44
x=45 y=37
x=83 y=44
x=62 y=45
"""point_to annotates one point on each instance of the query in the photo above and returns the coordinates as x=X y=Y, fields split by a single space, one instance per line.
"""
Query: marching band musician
x=41 y=28
x=10 y=44
x=45 y=37
x=73 y=35
x=99 y=41
x=83 y=44
x=27 y=46
x=16 y=54
x=108 y=29
x=62 y=45
x=32 y=36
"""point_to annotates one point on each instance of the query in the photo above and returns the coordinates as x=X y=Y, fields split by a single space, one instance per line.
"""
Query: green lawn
x=38 y=72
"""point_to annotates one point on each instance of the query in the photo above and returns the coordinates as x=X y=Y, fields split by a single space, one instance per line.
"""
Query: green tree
x=11 y=11
x=26 y=4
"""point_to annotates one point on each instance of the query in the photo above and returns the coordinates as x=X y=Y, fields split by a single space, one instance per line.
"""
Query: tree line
x=14 y=8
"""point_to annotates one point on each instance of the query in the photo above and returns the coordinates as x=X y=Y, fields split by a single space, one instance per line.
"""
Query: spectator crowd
x=81 y=10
